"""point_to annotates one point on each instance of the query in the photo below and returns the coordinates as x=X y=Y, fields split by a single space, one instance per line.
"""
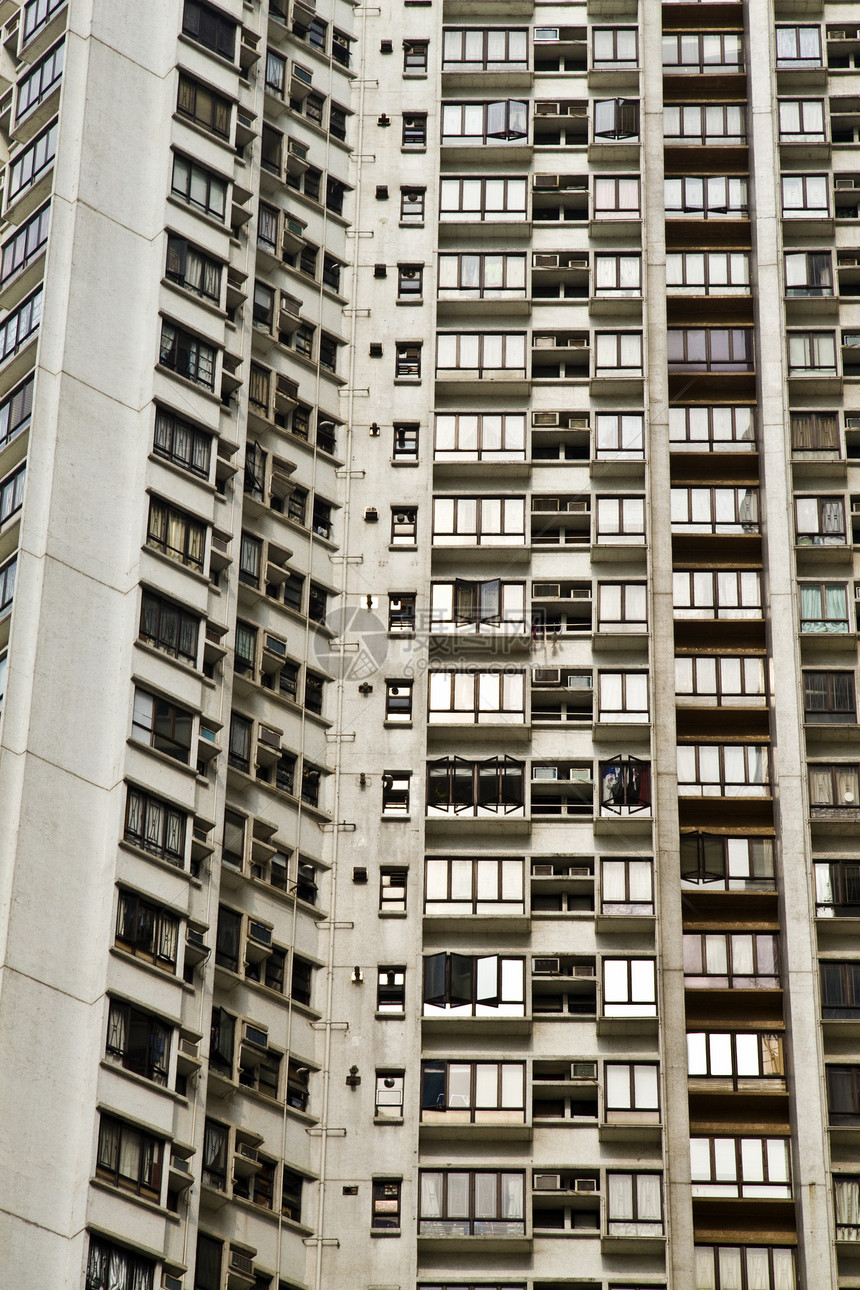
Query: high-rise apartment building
x=429 y=743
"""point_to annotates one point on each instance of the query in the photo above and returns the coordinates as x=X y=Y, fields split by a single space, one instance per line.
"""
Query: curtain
x=97 y=1265
x=130 y=1154
x=704 y=1273
x=614 y=881
x=214 y=1144
x=116 y=1035
x=771 y=1055
x=649 y=1207
x=108 y=1144
x=846 y=1195
x=431 y=1195
x=136 y=809
x=117 y=1276
x=783 y=1270
x=154 y=825
x=512 y=1196
x=196 y=537
x=167 y=939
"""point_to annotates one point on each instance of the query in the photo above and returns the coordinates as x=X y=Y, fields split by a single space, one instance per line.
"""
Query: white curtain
x=431 y=1195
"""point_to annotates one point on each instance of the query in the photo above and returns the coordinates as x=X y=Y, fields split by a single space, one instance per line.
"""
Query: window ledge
x=411 y=223
x=136 y=1200
x=142 y=1082
x=417 y=300
x=396 y=819
x=220 y=225
x=176 y=564
x=186 y=380
x=182 y=473
x=413 y=147
x=154 y=652
x=392 y=913
x=205 y=302
x=387 y=1119
x=390 y=1016
x=165 y=865
x=403 y=546
x=163 y=759
x=390 y=1231
x=414 y=76
x=303 y=1009
x=190 y=124
x=407 y=380
x=217 y=58
x=161 y=974
x=404 y=461
x=397 y=725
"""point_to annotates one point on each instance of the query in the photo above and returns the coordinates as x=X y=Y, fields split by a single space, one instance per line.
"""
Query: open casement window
x=474 y=986
x=738 y=1056
x=837 y=889
x=472 y=1092
x=843 y=1095
x=471 y=1203
x=616 y=119
x=625 y=786
x=731 y=961
x=741 y=1168
x=840 y=990
x=456 y=786
x=742 y=1267
x=820 y=520
x=846 y=1202
x=629 y=988
x=700 y=197
x=829 y=698
x=464 y=603
x=727 y=863
x=146 y=930
x=634 y=1204
x=504 y=119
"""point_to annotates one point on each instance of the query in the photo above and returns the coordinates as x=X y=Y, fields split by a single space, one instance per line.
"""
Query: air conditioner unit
x=578 y=681
x=544 y=342
x=834 y=34
x=188 y=1047
x=583 y=1070
x=583 y=970
x=546 y=589
x=541 y=261
x=195 y=938
x=545 y=33
x=546 y=108
x=852 y=423
x=577 y=264
x=546 y=181
x=855 y=505
x=847 y=261
x=546 y=967
x=580 y=593
x=241 y=1263
x=371 y=514
x=577 y=342
x=577 y=423
x=260 y=933
x=546 y=504
x=545 y=773
x=255 y=1035
x=546 y=420
x=546 y=1182
x=579 y=872
x=275 y=645
x=542 y=871
x=247 y=1152
x=546 y=676
x=585 y=1184
x=577 y=508
x=170 y=1283
x=271 y=738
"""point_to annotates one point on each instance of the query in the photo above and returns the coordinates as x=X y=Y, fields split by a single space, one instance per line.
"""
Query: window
x=744 y=1267
x=276 y=73
x=629 y=988
x=478 y=521
x=623 y=696
x=723 y=123
x=415 y=57
x=155 y=826
x=834 y=786
x=340 y=47
x=710 y=273
x=301 y=980
x=465 y=604
x=798 y=47
x=724 y=595
x=811 y=351
x=272 y=149
x=727 y=863
x=625 y=786
x=331 y=273
x=620 y=520
x=471 y=1202
x=146 y=930
x=233 y=849
x=20 y=324
x=703 y=52
x=37 y=14
x=503 y=121
x=410 y=281
x=199 y=187
x=808 y=273
x=187 y=355
x=129 y=1158
x=176 y=534
x=28 y=166
x=840 y=990
x=215 y=1146
x=622 y=607
x=475 y=788
x=182 y=443
x=634 y=1204
x=391 y=989
x=12 y=493
x=203 y=106
x=412 y=205
x=110 y=1266
x=837 y=888
x=828 y=697
x=473 y=885
x=714 y=510
x=706 y=197
x=392 y=890
x=389 y=1095
x=710 y=349
x=24 y=244
x=472 y=1092
x=291 y=1195
x=731 y=961
x=414 y=130
x=241 y=740
x=723 y=429
x=317 y=603
x=385 y=1212
x=617 y=275
x=8 y=582
x=168 y=627
x=815 y=432
x=618 y=351
x=632 y=1092
x=398 y=701
x=481 y=436
x=16 y=410
x=474 y=986
x=843 y=1095
x=161 y=725
x=337 y=122
x=735 y=1055
x=723 y=770
x=805 y=197
x=801 y=121
x=335 y=191
x=474 y=276
x=614 y=48
x=308 y=260
x=395 y=792
x=404 y=525
x=475 y=200
x=477 y=698
x=405 y=446
x=192 y=269
x=616 y=197
x=846 y=1199
x=221 y=1042
x=293 y=591
x=4 y=665
x=481 y=355
x=314 y=692
x=627 y=887
x=820 y=521
x=740 y=1168
x=209 y=28
x=478 y=49
x=407 y=361
x=227 y=938
x=401 y=613
x=138 y=1041
x=616 y=119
